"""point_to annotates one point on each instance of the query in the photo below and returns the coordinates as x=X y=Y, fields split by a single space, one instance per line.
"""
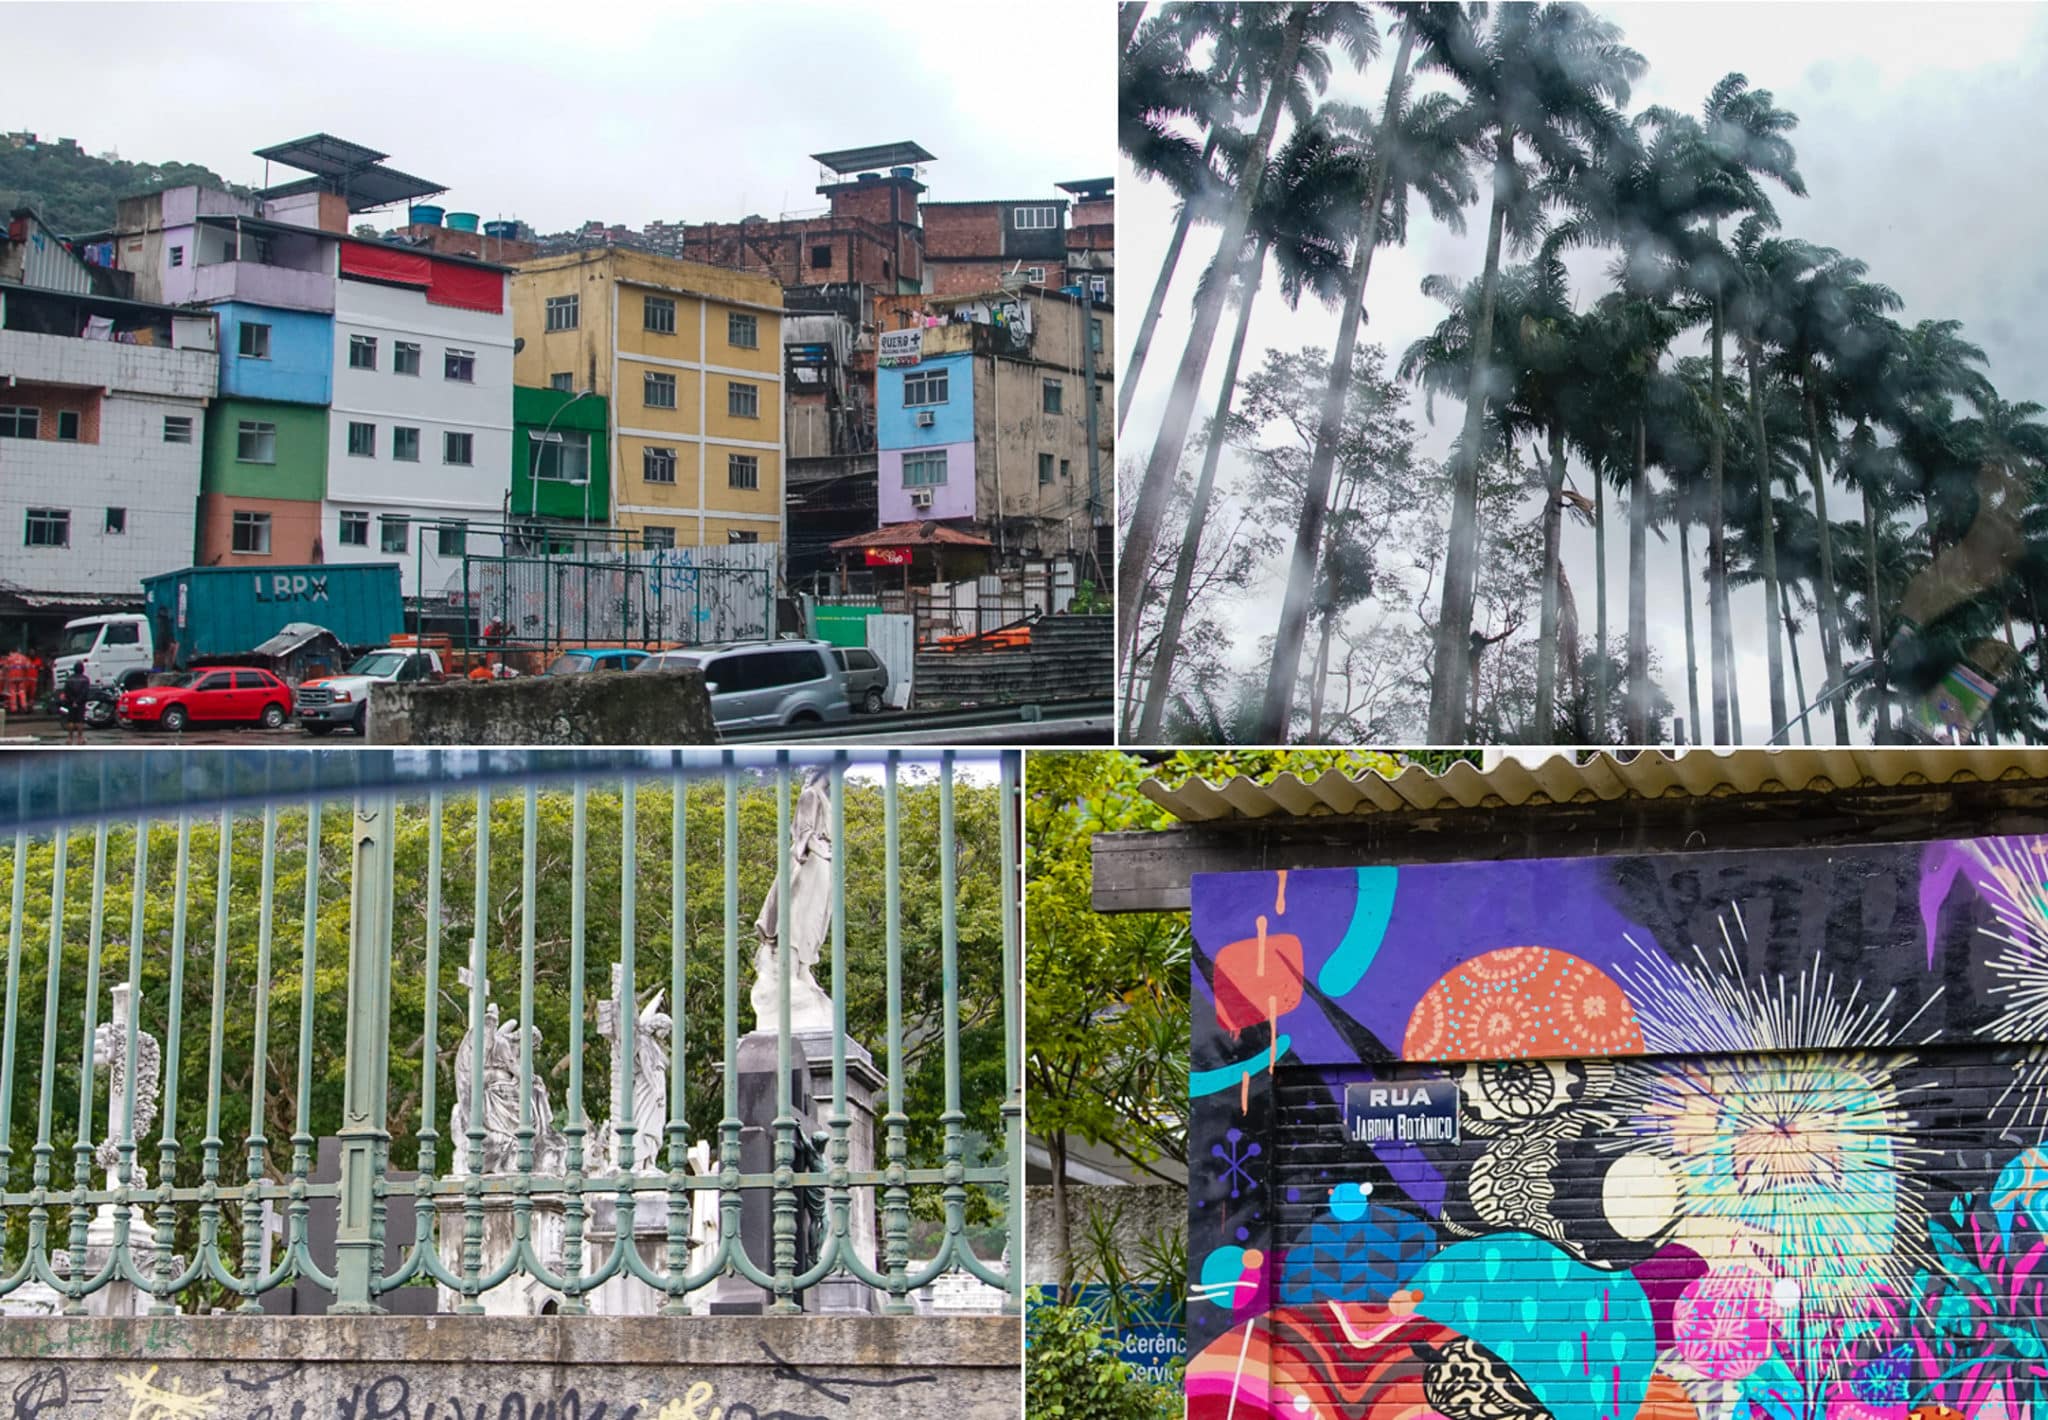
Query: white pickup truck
x=338 y=701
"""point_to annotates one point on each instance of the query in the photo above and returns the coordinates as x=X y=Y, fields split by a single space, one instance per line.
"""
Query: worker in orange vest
x=13 y=676
x=35 y=676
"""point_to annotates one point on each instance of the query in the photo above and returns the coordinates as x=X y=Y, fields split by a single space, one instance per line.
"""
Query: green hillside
x=75 y=192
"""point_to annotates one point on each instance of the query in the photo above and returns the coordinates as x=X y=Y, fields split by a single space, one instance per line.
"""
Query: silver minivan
x=765 y=684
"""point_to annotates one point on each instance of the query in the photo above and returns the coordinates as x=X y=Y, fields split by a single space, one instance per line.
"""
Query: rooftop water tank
x=901 y=172
x=462 y=221
x=870 y=177
x=425 y=214
x=508 y=230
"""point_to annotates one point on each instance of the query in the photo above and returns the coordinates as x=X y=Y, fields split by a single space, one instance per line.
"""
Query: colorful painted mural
x=1728 y=1136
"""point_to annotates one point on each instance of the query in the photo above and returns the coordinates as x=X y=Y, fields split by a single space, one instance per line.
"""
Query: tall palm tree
x=1247 y=39
x=1544 y=78
x=1310 y=29
x=1304 y=214
x=1417 y=149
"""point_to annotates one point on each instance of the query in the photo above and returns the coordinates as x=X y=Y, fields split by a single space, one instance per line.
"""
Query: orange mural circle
x=1522 y=1003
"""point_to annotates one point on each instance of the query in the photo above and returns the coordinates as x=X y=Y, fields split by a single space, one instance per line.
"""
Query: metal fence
x=667 y=596
x=501 y=1197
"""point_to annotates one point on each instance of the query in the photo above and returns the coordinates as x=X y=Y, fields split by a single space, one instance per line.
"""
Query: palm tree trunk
x=1198 y=514
x=1308 y=532
x=1639 y=593
x=1717 y=547
x=1830 y=622
x=1127 y=383
x=1768 y=525
x=1878 y=639
x=1798 y=675
x=1692 y=653
x=1454 y=623
x=1734 y=683
x=1545 y=728
x=1163 y=465
x=1600 y=663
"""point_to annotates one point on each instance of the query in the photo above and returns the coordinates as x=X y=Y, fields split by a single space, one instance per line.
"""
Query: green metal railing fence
x=212 y=937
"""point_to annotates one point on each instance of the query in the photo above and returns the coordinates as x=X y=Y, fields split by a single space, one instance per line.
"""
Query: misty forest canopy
x=1756 y=407
x=75 y=192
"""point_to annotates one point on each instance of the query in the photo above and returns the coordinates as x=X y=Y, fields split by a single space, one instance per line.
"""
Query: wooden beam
x=1149 y=872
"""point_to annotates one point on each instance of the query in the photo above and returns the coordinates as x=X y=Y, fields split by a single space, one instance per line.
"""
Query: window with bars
x=563 y=312
x=658 y=315
x=743 y=471
x=742 y=401
x=658 y=391
x=743 y=332
x=658 y=465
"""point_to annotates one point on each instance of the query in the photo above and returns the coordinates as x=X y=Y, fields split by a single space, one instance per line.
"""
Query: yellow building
x=689 y=360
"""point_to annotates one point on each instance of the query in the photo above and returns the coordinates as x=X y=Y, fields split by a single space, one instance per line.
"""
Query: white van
x=117 y=650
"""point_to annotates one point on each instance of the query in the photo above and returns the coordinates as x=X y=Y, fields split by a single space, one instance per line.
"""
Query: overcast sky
x=1915 y=143
x=561 y=113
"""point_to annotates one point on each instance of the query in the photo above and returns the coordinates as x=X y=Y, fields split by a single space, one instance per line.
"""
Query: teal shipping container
x=225 y=611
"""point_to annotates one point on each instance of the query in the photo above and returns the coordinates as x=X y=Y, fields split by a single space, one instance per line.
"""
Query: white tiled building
x=420 y=428
x=102 y=406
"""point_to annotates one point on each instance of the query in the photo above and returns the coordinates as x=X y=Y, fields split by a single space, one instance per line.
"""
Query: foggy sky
x=1916 y=143
x=560 y=113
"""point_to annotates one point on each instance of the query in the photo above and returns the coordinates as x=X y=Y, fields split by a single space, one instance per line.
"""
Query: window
x=924 y=387
x=562 y=380
x=48 y=527
x=1065 y=469
x=177 y=256
x=1044 y=469
x=1035 y=275
x=742 y=401
x=735 y=535
x=658 y=315
x=355 y=529
x=177 y=428
x=742 y=332
x=1098 y=287
x=255 y=442
x=560 y=457
x=564 y=312
x=405 y=357
x=658 y=391
x=362 y=440
x=405 y=444
x=821 y=256
x=67 y=425
x=253 y=680
x=658 y=465
x=452 y=539
x=457 y=448
x=20 y=421
x=653 y=537
x=459 y=365
x=743 y=471
x=1055 y=393
x=924 y=470
x=1034 y=219
x=252 y=533
x=117 y=522
x=394 y=532
x=362 y=352
x=219 y=680
x=255 y=340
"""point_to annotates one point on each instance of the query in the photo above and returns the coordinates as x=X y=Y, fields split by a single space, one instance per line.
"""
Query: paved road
x=48 y=730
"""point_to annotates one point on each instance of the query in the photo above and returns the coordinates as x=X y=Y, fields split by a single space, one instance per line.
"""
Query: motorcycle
x=101 y=706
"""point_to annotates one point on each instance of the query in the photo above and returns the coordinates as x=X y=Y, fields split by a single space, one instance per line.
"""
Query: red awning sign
x=888 y=556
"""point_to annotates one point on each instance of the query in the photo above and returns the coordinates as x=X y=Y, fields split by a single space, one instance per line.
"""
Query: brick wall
x=1622 y=1137
x=53 y=400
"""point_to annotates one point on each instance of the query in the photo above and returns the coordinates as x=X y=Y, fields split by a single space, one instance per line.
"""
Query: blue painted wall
x=300 y=369
x=952 y=422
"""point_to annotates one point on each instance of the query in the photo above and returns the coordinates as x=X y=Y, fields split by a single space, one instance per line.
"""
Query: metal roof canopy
x=1656 y=802
x=880 y=155
x=1088 y=187
x=346 y=169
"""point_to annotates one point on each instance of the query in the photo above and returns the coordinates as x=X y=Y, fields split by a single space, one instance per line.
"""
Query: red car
x=210 y=694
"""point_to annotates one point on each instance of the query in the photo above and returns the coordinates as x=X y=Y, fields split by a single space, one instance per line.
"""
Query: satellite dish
x=518 y=344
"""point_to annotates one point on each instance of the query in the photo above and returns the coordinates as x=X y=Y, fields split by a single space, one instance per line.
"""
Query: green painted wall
x=301 y=467
x=531 y=411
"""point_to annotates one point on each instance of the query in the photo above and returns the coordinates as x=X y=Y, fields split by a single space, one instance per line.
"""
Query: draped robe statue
x=810 y=916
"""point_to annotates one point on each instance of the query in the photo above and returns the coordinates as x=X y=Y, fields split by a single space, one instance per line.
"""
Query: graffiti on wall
x=1727 y=1136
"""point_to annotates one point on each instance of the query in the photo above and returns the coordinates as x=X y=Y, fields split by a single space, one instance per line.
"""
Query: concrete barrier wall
x=511 y=1368
x=1070 y=658
x=634 y=708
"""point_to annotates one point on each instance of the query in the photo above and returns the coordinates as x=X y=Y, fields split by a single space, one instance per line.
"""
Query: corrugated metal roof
x=1562 y=780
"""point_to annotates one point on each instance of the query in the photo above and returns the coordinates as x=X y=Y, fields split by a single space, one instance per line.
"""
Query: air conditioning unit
x=921 y=498
x=925 y=419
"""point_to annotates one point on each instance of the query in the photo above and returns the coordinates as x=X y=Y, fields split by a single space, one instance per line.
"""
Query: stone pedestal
x=518 y=1295
x=864 y=1086
x=755 y=1065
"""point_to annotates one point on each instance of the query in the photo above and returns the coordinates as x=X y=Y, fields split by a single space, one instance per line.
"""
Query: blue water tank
x=462 y=221
x=425 y=214
x=902 y=172
x=508 y=230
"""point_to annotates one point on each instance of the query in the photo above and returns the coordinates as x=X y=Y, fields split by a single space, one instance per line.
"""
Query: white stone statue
x=500 y=1108
x=810 y=916
x=649 y=1107
x=110 y=1053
